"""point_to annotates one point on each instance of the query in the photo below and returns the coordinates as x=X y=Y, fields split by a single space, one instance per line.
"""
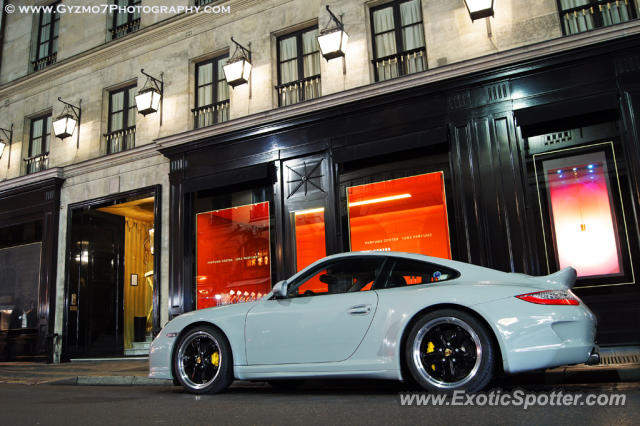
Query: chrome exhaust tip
x=594 y=356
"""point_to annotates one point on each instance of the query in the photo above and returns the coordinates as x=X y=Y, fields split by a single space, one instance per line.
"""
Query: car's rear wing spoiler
x=564 y=278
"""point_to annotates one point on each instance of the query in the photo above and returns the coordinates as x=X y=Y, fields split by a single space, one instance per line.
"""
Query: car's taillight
x=551 y=297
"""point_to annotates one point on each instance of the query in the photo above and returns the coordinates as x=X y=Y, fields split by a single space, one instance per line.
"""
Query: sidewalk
x=133 y=372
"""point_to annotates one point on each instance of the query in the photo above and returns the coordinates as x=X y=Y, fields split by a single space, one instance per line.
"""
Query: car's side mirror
x=280 y=290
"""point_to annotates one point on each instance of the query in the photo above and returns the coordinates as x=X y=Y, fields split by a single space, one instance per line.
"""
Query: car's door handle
x=360 y=310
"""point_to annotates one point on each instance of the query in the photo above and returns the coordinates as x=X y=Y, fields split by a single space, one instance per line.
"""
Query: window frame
x=391 y=264
x=131 y=21
x=597 y=19
x=397 y=29
x=616 y=178
x=214 y=89
x=305 y=275
x=300 y=62
x=125 y=109
x=49 y=59
x=36 y=162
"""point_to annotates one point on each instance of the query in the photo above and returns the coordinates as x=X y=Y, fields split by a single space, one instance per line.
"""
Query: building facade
x=510 y=142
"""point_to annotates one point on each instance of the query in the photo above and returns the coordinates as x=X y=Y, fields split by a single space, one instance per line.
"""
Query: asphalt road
x=315 y=403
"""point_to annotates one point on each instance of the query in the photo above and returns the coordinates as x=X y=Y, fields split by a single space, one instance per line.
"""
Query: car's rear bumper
x=536 y=337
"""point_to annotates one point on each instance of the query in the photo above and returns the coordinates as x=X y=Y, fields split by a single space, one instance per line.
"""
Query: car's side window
x=407 y=272
x=340 y=276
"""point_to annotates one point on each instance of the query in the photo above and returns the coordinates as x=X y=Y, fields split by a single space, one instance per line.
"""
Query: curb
x=112 y=381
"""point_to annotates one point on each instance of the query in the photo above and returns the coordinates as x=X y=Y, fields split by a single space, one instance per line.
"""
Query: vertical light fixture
x=66 y=123
x=149 y=98
x=237 y=71
x=333 y=39
x=8 y=134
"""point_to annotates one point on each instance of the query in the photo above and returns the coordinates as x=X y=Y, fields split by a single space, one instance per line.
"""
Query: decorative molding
x=110 y=160
x=459 y=100
x=178 y=165
x=407 y=82
x=31 y=179
x=498 y=92
x=627 y=64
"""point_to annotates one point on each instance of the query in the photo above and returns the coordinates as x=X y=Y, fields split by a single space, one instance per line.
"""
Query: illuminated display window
x=233 y=255
x=309 y=236
x=407 y=215
x=582 y=214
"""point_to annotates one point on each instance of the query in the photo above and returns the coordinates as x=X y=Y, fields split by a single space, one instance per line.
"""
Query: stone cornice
x=484 y=63
x=32 y=179
x=111 y=160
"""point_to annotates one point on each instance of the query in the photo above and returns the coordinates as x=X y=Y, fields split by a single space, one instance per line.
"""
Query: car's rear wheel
x=448 y=350
x=203 y=361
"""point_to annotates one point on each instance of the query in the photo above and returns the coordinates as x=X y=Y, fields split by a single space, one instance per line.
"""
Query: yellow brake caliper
x=430 y=348
x=215 y=359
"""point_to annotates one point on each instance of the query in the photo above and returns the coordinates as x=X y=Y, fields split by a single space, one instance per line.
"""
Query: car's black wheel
x=285 y=384
x=203 y=361
x=448 y=350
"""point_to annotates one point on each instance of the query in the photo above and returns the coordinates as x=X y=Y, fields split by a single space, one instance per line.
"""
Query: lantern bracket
x=8 y=133
x=157 y=84
x=335 y=19
x=244 y=52
x=76 y=111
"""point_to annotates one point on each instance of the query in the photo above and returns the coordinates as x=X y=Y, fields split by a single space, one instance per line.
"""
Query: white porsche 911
x=446 y=324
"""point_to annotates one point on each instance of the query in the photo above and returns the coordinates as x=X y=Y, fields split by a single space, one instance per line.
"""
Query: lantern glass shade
x=237 y=72
x=64 y=125
x=479 y=8
x=148 y=101
x=2 y=145
x=333 y=43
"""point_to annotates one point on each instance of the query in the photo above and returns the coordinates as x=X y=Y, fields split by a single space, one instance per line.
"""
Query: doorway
x=111 y=290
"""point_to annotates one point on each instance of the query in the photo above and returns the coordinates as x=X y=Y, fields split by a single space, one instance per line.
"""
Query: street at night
x=315 y=403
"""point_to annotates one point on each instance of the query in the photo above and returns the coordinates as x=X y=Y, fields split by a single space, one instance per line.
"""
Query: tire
x=448 y=350
x=194 y=361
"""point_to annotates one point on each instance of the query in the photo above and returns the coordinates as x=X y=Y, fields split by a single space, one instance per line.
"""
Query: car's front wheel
x=202 y=361
x=448 y=350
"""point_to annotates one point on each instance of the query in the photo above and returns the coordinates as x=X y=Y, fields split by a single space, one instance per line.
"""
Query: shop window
x=47 y=41
x=309 y=235
x=126 y=18
x=212 y=93
x=20 y=272
x=583 y=15
x=581 y=208
x=298 y=67
x=407 y=215
x=405 y=272
x=39 y=141
x=341 y=276
x=398 y=39
x=122 y=120
x=233 y=250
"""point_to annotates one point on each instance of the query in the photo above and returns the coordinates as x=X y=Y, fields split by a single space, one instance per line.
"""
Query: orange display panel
x=233 y=255
x=310 y=243
x=406 y=215
x=583 y=221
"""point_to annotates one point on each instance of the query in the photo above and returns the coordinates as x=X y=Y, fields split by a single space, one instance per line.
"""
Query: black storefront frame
x=39 y=201
x=486 y=129
x=156 y=192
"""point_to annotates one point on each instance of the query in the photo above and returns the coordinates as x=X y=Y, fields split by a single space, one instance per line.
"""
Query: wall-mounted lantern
x=7 y=140
x=333 y=39
x=479 y=9
x=237 y=71
x=66 y=123
x=149 y=98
